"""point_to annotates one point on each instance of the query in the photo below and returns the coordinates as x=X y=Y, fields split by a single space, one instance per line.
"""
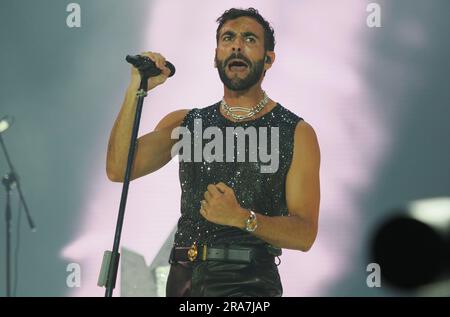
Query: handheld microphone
x=147 y=67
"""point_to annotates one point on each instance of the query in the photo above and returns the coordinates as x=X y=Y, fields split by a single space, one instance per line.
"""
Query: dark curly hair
x=231 y=14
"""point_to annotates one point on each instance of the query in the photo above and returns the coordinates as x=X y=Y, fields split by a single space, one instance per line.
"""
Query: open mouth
x=237 y=65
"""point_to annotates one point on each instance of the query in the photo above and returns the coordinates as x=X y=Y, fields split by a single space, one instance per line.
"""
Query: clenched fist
x=221 y=206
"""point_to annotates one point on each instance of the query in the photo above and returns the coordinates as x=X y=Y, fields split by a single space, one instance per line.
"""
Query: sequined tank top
x=262 y=192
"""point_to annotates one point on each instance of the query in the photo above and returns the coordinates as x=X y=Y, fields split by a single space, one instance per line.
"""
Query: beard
x=235 y=83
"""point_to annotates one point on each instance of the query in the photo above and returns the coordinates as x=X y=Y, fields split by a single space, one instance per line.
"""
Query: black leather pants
x=224 y=279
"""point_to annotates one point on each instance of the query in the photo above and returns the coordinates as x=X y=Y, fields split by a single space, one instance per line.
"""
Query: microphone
x=5 y=123
x=146 y=66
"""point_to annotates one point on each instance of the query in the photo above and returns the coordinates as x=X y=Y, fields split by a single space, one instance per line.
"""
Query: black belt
x=236 y=254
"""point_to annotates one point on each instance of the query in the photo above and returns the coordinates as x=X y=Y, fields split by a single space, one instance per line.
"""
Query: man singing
x=249 y=192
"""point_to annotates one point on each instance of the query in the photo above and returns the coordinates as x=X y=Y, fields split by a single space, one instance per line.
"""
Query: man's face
x=240 y=53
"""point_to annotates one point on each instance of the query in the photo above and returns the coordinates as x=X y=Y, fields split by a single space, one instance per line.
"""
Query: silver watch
x=251 y=224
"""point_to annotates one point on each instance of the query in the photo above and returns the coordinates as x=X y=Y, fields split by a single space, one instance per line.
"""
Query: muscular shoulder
x=304 y=130
x=306 y=144
x=172 y=119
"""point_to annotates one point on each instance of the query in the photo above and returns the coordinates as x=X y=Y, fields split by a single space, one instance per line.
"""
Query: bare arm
x=153 y=149
x=299 y=230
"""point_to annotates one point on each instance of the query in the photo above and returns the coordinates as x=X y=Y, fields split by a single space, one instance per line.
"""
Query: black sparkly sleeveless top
x=261 y=192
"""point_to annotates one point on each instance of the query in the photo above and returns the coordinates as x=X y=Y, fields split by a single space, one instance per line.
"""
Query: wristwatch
x=251 y=224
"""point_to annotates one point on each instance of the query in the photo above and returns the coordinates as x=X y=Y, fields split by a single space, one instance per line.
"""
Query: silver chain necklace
x=249 y=112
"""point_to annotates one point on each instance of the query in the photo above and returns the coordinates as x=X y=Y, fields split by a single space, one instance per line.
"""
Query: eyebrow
x=245 y=34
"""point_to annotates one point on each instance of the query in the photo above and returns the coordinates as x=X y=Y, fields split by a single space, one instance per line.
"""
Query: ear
x=269 y=59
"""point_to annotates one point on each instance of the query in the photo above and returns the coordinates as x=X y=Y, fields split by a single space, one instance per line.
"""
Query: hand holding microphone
x=153 y=65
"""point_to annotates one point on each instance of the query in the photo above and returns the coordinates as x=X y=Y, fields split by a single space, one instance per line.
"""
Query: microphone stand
x=108 y=273
x=10 y=180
